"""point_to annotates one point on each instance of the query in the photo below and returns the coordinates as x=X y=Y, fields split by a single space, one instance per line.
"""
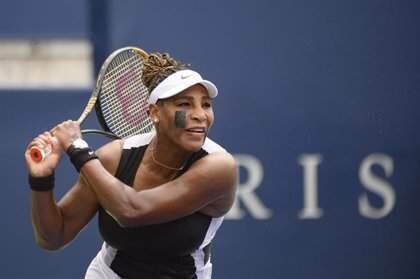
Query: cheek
x=210 y=118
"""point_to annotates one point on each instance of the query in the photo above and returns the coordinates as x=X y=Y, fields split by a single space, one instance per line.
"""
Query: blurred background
x=319 y=103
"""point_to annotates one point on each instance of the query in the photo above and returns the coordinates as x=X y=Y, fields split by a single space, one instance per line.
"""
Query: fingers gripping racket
x=119 y=98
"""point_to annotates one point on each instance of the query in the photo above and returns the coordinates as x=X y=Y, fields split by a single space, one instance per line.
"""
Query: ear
x=154 y=113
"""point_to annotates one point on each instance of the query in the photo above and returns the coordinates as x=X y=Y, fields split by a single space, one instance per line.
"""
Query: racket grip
x=39 y=154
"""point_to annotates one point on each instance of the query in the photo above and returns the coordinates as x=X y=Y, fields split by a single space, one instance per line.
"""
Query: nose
x=198 y=114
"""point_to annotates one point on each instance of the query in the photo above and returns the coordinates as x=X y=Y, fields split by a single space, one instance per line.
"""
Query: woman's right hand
x=47 y=166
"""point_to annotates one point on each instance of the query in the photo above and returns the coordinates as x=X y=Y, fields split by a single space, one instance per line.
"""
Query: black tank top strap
x=129 y=163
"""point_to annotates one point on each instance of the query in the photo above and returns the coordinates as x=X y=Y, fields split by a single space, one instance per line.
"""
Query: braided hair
x=159 y=66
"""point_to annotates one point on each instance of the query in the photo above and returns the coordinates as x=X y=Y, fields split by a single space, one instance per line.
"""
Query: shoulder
x=217 y=169
x=219 y=162
x=217 y=159
x=217 y=155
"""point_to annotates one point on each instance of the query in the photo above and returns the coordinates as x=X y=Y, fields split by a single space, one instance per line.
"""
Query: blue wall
x=44 y=19
x=335 y=84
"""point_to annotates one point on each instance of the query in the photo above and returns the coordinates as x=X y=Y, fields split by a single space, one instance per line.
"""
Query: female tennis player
x=160 y=196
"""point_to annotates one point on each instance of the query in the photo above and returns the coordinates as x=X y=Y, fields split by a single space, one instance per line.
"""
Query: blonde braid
x=159 y=66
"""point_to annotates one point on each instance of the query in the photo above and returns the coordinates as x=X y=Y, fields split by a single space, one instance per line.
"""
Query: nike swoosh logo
x=185 y=76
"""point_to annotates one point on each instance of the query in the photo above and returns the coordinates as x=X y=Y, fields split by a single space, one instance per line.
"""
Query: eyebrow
x=190 y=98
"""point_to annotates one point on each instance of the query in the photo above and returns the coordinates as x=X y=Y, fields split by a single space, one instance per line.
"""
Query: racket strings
x=123 y=96
x=126 y=87
x=118 y=64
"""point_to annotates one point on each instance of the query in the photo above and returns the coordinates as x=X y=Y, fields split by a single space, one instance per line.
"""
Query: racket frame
x=38 y=154
x=101 y=75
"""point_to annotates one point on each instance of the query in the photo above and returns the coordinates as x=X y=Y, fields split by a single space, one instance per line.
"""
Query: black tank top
x=154 y=251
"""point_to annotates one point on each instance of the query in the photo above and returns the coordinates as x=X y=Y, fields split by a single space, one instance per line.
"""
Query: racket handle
x=39 y=154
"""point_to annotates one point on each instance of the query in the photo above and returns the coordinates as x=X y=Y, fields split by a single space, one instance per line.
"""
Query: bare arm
x=208 y=180
x=56 y=224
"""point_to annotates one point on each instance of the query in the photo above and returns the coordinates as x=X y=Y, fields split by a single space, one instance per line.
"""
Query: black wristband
x=41 y=184
x=79 y=157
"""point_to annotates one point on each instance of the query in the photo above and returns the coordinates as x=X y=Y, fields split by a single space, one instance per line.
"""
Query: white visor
x=178 y=82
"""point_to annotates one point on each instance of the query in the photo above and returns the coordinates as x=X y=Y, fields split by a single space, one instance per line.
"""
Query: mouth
x=196 y=130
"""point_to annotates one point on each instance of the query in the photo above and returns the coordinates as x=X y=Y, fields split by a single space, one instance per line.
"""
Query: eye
x=183 y=104
x=207 y=105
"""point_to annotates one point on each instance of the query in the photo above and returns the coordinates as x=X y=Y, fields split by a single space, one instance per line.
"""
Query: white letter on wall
x=377 y=185
x=310 y=163
x=246 y=190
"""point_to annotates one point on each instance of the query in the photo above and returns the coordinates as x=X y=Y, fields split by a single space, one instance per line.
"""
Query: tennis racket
x=119 y=98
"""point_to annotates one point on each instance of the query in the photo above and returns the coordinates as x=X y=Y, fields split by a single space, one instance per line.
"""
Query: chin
x=193 y=146
x=191 y=142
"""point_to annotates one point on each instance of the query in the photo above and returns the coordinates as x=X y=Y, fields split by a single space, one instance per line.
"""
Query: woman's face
x=186 y=118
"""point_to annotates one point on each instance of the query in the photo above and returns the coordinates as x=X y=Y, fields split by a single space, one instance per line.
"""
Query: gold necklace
x=164 y=165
